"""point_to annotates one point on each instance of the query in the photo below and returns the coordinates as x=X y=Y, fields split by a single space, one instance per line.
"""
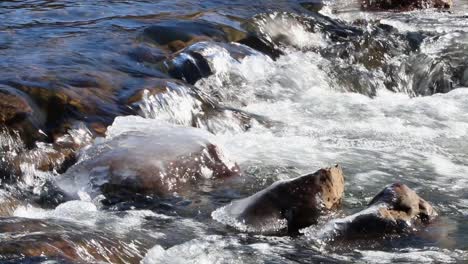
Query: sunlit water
x=316 y=118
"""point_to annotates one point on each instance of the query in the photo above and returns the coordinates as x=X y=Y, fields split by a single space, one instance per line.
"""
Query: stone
x=14 y=105
x=143 y=156
x=395 y=210
x=289 y=205
x=404 y=5
x=176 y=35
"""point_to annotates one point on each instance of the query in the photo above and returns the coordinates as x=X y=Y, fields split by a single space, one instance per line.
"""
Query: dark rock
x=19 y=113
x=193 y=63
x=176 y=35
x=190 y=66
x=403 y=5
x=288 y=205
x=313 y=6
x=261 y=45
x=395 y=210
x=13 y=105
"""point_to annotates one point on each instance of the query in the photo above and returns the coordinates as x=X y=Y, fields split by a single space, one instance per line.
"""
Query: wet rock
x=13 y=105
x=429 y=76
x=286 y=205
x=195 y=62
x=262 y=45
x=395 y=210
x=146 y=54
x=182 y=104
x=313 y=6
x=8 y=203
x=176 y=35
x=19 y=113
x=31 y=238
x=405 y=4
x=60 y=104
x=189 y=66
x=19 y=163
x=141 y=156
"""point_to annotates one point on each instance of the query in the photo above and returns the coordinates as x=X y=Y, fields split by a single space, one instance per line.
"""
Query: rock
x=9 y=203
x=262 y=45
x=19 y=113
x=142 y=156
x=13 y=105
x=395 y=210
x=60 y=104
x=313 y=6
x=286 y=205
x=405 y=4
x=196 y=61
x=177 y=102
x=31 y=238
x=146 y=54
x=190 y=66
x=176 y=35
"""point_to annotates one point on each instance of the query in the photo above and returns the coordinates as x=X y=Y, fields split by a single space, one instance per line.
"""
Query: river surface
x=383 y=94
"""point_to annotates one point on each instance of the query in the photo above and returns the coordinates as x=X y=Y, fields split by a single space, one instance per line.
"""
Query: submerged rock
x=396 y=209
x=28 y=239
x=179 y=103
x=404 y=4
x=141 y=156
x=176 y=35
x=286 y=205
x=196 y=61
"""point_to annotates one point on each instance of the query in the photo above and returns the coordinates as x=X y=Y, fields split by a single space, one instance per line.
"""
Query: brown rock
x=8 y=203
x=403 y=203
x=288 y=205
x=178 y=34
x=29 y=238
x=396 y=209
x=13 y=105
x=156 y=159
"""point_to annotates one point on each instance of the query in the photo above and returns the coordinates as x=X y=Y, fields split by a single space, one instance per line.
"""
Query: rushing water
x=381 y=93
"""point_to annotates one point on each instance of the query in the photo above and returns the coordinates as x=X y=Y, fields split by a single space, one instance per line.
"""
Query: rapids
x=383 y=94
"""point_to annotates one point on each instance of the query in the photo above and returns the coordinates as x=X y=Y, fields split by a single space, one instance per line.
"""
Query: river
x=383 y=94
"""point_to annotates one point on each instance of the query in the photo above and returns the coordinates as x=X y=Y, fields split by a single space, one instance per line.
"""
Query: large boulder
x=404 y=4
x=141 y=156
x=286 y=206
x=395 y=210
